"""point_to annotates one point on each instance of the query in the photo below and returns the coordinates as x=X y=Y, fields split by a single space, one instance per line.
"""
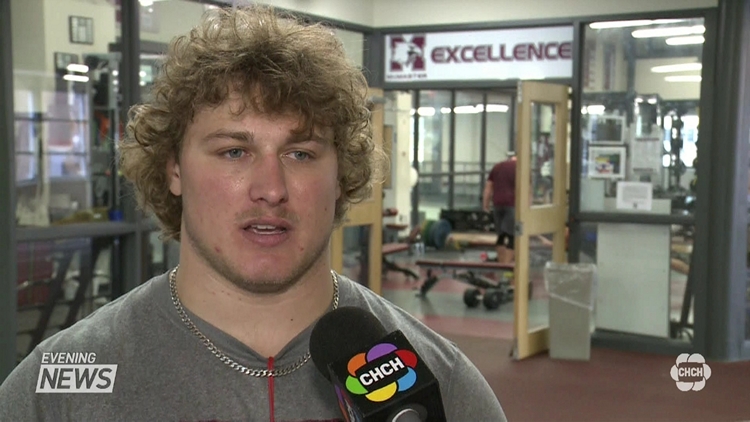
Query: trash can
x=572 y=295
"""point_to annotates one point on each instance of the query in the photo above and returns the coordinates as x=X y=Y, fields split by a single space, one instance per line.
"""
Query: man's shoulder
x=431 y=345
x=109 y=325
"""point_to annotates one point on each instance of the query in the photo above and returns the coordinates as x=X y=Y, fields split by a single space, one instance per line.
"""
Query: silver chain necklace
x=261 y=373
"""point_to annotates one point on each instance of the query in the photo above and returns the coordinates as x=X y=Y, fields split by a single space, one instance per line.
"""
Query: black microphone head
x=342 y=333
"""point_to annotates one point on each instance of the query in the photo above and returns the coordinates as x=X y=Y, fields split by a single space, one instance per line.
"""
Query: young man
x=500 y=190
x=255 y=142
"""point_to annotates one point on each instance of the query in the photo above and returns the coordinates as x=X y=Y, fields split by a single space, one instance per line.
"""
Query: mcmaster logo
x=407 y=53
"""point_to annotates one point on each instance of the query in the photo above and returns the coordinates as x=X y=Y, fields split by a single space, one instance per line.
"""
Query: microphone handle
x=407 y=415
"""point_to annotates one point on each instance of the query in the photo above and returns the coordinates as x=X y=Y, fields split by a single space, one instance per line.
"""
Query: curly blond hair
x=280 y=65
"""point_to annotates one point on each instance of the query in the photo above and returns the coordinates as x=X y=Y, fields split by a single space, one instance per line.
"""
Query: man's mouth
x=265 y=229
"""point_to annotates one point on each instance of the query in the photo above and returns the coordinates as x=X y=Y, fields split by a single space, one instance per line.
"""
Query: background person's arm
x=487 y=196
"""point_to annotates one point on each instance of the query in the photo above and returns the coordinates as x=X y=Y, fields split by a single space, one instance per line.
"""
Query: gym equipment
x=469 y=220
x=491 y=293
x=391 y=248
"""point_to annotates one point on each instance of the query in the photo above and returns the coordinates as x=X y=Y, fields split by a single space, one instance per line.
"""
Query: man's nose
x=268 y=180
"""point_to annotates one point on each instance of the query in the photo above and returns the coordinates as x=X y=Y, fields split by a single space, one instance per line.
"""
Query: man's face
x=258 y=200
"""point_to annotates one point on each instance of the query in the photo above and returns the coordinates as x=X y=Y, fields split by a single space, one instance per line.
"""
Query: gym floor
x=611 y=386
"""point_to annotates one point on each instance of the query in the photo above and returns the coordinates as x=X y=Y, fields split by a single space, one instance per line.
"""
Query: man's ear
x=338 y=191
x=173 y=176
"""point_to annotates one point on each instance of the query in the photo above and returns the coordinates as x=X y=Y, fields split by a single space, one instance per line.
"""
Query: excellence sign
x=529 y=54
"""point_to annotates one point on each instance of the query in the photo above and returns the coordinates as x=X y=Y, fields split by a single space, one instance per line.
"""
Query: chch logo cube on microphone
x=690 y=372
x=74 y=373
x=381 y=372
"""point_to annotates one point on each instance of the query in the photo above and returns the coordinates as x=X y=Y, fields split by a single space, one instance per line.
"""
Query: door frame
x=534 y=221
x=366 y=213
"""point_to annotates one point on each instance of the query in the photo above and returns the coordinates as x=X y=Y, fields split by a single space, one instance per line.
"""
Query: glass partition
x=499 y=128
x=434 y=131
x=542 y=154
x=65 y=111
x=60 y=282
x=468 y=115
x=639 y=116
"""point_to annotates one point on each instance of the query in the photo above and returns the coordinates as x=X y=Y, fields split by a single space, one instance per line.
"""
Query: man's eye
x=300 y=155
x=234 y=153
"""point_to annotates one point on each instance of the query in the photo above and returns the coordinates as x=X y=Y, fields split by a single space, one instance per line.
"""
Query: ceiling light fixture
x=683 y=78
x=675 y=31
x=682 y=67
x=76 y=78
x=693 y=39
x=73 y=67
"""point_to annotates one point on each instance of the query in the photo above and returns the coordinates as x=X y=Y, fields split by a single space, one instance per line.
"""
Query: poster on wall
x=606 y=162
x=507 y=54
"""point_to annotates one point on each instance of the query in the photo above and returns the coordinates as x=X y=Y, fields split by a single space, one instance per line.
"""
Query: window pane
x=434 y=131
x=433 y=196
x=66 y=110
x=467 y=191
x=356 y=253
x=468 y=110
x=59 y=283
x=498 y=128
x=542 y=154
x=639 y=120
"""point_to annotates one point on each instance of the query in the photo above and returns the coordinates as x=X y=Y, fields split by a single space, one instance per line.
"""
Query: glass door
x=541 y=207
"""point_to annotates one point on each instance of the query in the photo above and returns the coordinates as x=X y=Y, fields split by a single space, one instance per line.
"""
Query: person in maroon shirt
x=500 y=190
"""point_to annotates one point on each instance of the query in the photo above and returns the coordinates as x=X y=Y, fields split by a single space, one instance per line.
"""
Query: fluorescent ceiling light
x=675 y=31
x=445 y=110
x=682 y=67
x=596 y=109
x=683 y=78
x=466 y=110
x=426 y=111
x=619 y=24
x=82 y=68
x=652 y=101
x=693 y=39
x=146 y=3
x=628 y=24
x=76 y=78
x=497 y=108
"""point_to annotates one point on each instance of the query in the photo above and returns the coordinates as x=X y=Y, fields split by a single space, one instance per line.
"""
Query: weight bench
x=496 y=292
x=391 y=248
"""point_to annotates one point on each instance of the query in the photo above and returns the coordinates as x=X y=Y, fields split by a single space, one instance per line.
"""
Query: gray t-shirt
x=165 y=373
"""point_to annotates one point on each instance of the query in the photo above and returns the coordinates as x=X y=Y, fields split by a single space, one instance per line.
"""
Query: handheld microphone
x=377 y=376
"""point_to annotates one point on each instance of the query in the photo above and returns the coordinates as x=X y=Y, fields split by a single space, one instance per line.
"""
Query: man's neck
x=263 y=322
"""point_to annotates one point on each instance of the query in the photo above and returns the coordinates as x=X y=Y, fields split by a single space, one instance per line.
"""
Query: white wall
x=353 y=11
x=28 y=54
x=434 y=12
x=172 y=18
x=56 y=29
